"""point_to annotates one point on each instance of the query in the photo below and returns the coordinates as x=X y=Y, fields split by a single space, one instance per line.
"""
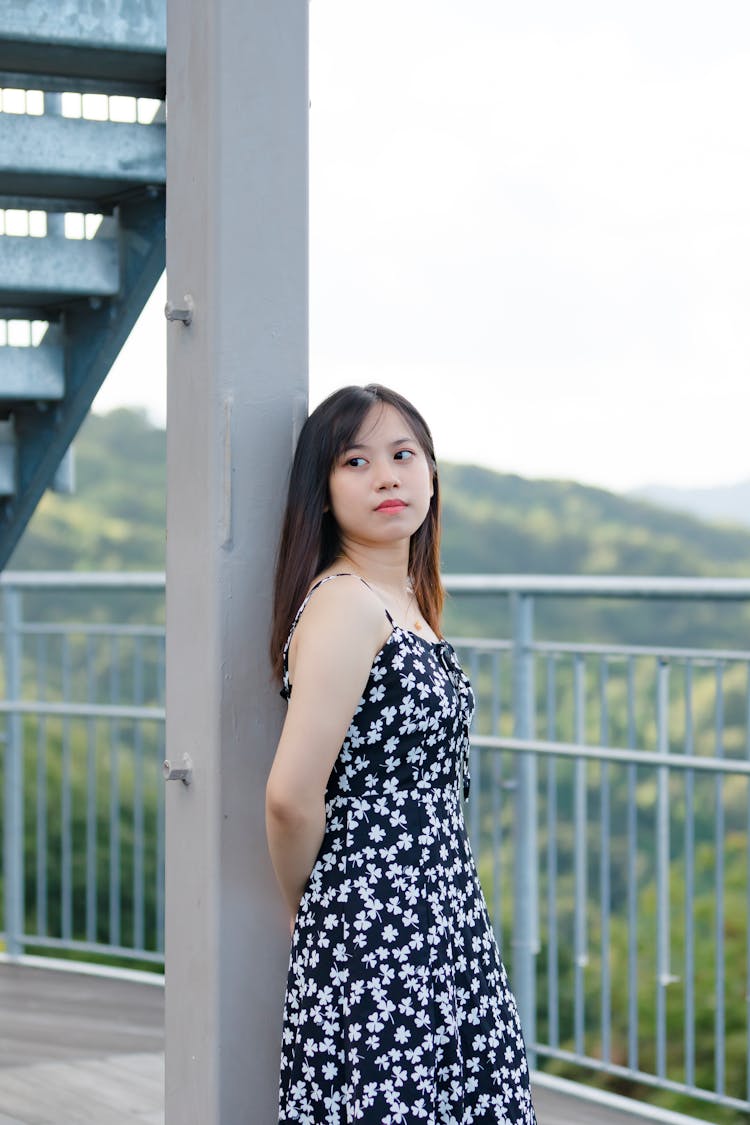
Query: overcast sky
x=533 y=219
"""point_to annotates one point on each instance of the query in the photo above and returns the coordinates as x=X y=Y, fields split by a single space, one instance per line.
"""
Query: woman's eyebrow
x=398 y=441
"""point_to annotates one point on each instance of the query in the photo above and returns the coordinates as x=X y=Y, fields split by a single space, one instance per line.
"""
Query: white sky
x=533 y=219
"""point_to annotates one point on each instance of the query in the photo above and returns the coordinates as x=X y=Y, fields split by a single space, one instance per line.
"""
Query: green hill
x=501 y=523
x=494 y=523
x=116 y=518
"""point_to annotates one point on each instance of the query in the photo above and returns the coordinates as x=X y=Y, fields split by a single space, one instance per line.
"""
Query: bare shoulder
x=344 y=600
x=342 y=615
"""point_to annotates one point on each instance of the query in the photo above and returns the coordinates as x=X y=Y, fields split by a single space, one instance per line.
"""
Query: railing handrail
x=545 y=585
x=83 y=580
x=632 y=756
x=600 y=586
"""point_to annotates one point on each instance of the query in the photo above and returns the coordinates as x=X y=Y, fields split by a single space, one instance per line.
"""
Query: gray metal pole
x=13 y=873
x=237 y=391
x=525 y=922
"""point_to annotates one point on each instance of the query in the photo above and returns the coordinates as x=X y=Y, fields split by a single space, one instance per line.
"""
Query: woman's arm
x=335 y=642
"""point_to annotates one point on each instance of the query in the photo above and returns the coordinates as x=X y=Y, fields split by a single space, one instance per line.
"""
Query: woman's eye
x=355 y=462
x=405 y=454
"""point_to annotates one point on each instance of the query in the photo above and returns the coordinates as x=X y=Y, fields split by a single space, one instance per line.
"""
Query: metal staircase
x=82 y=186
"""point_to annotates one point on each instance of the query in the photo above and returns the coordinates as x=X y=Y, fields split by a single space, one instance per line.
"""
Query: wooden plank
x=78 y=1092
x=99 y=1082
x=50 y=1015
x=560 y=1109
x=77 y=1049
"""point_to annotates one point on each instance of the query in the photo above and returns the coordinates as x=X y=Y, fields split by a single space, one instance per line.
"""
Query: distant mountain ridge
x=499 y=522
x=493 y=523
x=723 y=504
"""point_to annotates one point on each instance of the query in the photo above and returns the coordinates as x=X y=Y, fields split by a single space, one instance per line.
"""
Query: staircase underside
x=68 y=301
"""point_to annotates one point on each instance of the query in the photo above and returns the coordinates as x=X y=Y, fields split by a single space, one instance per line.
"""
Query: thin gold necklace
x=412 y=598
x=409 y=589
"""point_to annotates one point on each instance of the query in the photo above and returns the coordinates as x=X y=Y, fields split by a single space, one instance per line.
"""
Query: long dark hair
x=310 y=538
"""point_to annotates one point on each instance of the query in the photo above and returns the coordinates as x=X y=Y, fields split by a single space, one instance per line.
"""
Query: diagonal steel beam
x=95 y=336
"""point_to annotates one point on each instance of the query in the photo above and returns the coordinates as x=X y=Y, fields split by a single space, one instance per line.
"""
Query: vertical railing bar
x=475 y=806
x=91 y=895
x=41 y=790
x=553 y=984
x=662 y=866
x=497 y=781
x=66 y=881
x=720 y=966
x=13 y=821
x=526 y=897
x=632 y=875
x=114 y=798
x=689 y=916
x=580 y=819
x=551 y=697
x=604 y=869
x=138 y=881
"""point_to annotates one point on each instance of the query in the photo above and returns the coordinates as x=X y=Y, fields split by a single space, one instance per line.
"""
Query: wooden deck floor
x=77 y=1049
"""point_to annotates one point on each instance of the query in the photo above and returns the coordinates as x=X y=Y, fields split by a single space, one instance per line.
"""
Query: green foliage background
x=493 y=523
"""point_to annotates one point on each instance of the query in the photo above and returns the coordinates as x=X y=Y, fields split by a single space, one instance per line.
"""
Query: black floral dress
x=398 y=1009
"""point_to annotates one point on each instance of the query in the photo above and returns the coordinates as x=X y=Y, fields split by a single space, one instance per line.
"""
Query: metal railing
x=83 y=840
x=612 y=832
x=610 y=813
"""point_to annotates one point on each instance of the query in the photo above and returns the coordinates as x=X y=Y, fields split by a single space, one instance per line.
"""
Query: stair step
x=74 y=158
x=7 y=458
x=49 y=271
x=119 y=42
x=32 y=373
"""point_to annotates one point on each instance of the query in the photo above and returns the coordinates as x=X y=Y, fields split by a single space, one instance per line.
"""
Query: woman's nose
x=387 y=475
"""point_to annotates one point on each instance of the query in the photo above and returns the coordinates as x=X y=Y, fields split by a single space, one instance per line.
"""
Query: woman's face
x=380 y=487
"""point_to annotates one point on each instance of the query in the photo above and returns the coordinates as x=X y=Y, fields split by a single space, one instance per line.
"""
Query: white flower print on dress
x=398 y=1010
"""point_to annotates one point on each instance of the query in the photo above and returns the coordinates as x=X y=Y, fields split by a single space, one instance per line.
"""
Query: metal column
x=237 y=391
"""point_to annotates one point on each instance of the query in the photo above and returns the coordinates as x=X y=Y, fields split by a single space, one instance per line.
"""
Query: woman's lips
x=391 y=506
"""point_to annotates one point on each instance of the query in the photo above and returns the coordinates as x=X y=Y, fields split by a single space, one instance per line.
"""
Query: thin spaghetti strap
x=286 y=690
x=301 y=610
x=377 y=595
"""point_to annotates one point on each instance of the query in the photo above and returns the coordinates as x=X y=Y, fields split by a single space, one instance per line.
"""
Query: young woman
x=398 y=1010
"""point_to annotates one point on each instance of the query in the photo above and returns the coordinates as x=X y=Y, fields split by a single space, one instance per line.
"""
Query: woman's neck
x=387 y=572
x=387 y=569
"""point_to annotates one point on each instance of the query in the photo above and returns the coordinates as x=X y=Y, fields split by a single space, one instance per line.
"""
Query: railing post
x=525 y=876
x=13 y=783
